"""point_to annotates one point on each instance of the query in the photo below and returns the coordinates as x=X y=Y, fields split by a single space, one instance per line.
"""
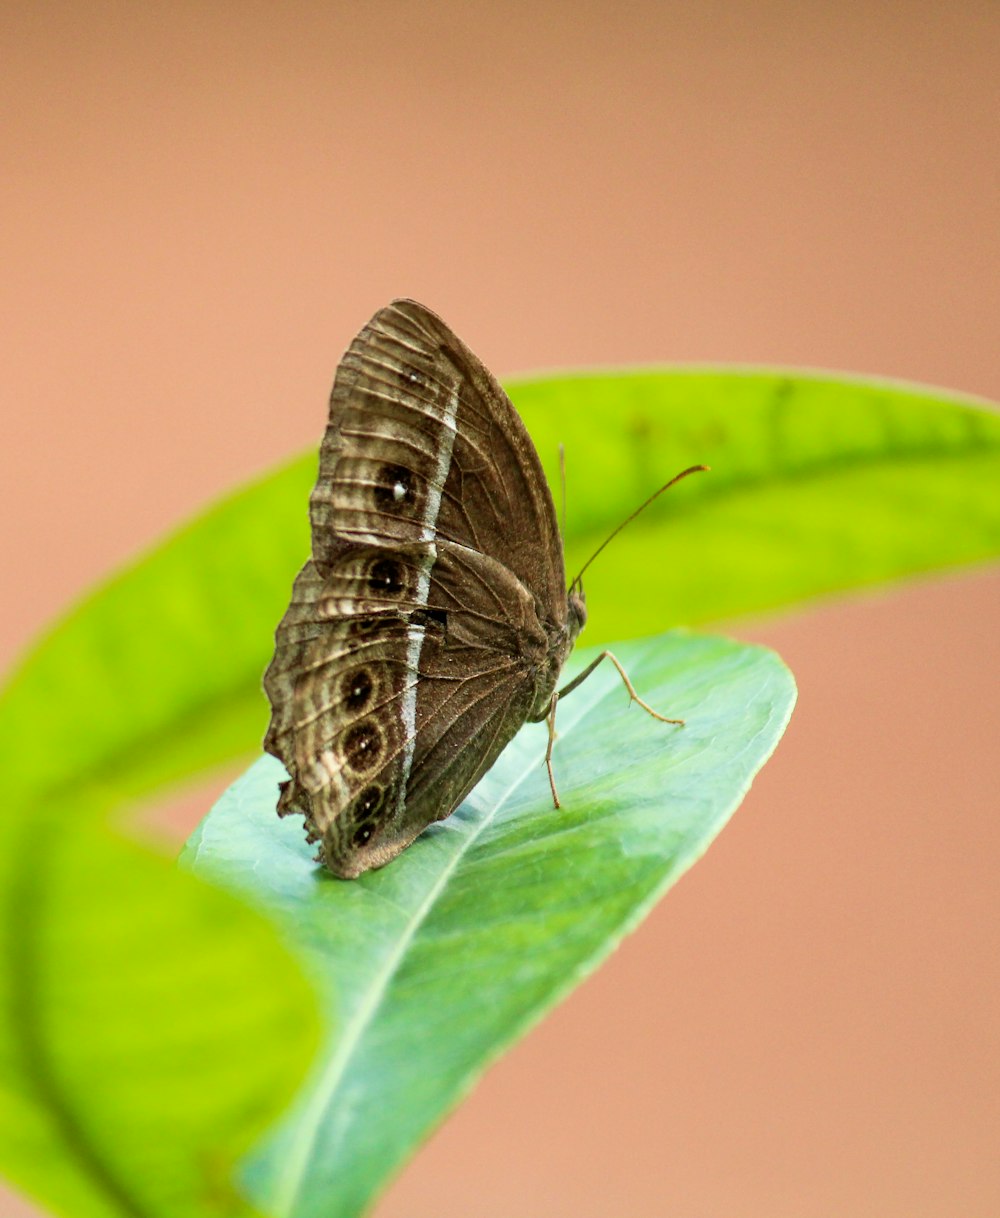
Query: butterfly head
x=576 y=603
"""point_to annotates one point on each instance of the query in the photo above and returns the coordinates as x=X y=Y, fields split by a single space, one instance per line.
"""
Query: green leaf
x=156 y=674
x=151 y=1027
x=818 y=485
x=439 y=961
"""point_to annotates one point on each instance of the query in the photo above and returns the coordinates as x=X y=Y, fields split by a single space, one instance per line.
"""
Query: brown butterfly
x=432 y=619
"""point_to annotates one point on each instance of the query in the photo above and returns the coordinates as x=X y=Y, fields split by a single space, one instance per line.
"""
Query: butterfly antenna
x=562 y=483
x=692 y=469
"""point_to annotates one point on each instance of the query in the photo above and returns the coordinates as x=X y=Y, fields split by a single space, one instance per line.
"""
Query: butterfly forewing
x=423 y=443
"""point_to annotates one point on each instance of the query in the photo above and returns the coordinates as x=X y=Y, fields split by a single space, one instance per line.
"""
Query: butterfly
x=432 y=618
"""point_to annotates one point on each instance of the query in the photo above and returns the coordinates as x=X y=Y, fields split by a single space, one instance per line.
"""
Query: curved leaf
x=819 y=485
x=439 y=961
x=150 y=1026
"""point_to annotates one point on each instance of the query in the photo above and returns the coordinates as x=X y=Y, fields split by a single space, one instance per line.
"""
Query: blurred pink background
x=203 y=202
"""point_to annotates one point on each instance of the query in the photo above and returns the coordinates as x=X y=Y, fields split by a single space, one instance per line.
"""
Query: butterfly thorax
x=561 y=640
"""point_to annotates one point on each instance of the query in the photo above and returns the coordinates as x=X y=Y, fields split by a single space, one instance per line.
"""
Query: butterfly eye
x=362 y=835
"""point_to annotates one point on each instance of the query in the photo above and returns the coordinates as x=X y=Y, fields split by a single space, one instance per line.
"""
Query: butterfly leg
x=606 y=655
x=551 y=720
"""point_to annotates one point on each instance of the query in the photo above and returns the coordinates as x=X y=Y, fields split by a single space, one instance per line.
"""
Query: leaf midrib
x=286 y=1194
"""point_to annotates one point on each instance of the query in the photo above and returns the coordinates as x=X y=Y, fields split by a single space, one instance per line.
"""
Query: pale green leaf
x=437 y=962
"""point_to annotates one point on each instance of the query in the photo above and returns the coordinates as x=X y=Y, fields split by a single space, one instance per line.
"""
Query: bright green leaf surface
x=817 y=485
x=150 y=1026
x=436 y=963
